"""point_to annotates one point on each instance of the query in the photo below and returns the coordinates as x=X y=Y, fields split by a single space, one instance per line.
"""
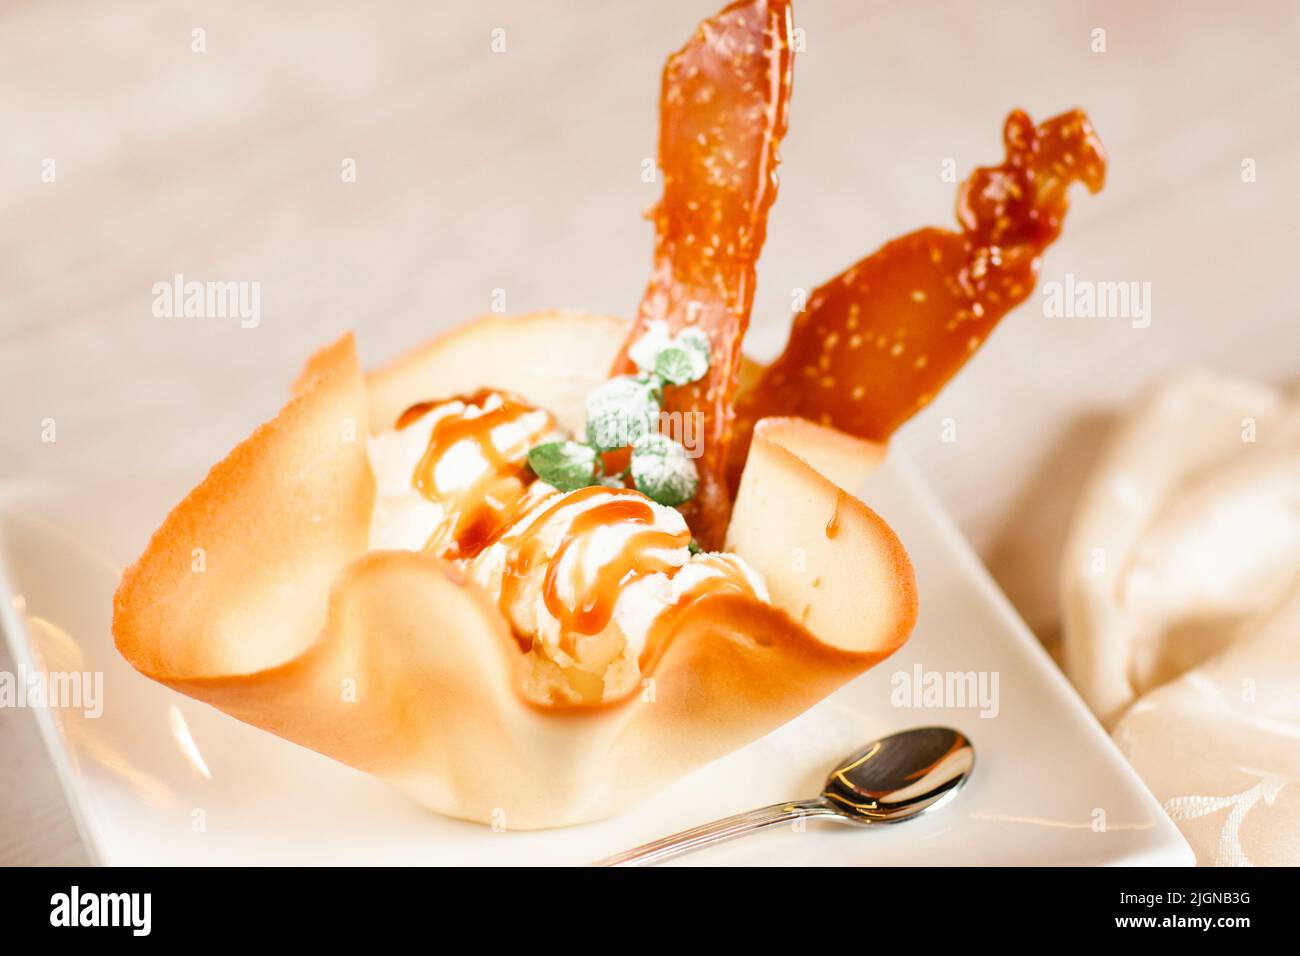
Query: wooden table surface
x=521 y=171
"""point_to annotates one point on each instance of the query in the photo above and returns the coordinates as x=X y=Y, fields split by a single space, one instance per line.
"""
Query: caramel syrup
x=595 y=598
x=484 y=509
x=833 y=526
x=731 y=581
x=482 y=512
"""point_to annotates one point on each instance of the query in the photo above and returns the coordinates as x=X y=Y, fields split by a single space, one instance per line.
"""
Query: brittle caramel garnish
x=722 y=115
x=877 y=342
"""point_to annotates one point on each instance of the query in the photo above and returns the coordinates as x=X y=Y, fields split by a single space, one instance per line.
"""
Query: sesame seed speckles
x=722 y=114
x=910 y=315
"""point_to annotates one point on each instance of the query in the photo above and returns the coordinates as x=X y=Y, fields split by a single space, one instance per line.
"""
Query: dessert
x=502 y=573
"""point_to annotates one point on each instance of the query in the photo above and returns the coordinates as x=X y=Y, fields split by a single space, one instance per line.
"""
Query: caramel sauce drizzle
x=484 y=509
x=731 y=581
x=596 y=598
x=833 y=525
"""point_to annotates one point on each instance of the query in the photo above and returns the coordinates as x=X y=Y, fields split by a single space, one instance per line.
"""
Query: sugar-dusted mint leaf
x=678 y=365
x=663 y=471
x=676 y=359
x=696 y=340
x=621 y=411
x=568 y=465
x=646 y=349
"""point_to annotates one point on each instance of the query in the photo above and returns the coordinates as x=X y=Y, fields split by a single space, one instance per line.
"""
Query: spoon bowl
x=897 y=777
x=890 y=780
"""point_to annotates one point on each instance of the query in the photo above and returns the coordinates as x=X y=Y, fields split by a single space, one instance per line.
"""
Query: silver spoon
x=894 y=779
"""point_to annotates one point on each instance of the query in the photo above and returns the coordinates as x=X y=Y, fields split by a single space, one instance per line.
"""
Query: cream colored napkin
x=1181 y=610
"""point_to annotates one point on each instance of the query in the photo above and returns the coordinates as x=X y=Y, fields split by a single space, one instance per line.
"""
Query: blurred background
x=145 y=139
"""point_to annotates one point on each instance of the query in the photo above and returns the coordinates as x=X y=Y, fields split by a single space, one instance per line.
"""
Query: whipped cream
x=645 y=601
x=643 y=591
x=639 y=565
x=584 y=577
x=642 y=352
x=406 y=519
x=709 y=570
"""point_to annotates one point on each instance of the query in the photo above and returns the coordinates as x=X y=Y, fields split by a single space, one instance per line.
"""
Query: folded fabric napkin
x=1181 y=610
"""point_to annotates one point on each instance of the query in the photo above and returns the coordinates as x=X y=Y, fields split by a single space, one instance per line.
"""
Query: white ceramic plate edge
x=19 y=642
x=1170 y=848
x=960 y=548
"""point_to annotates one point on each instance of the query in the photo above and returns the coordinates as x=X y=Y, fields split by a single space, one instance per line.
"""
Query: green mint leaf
x=655 y=351
x=621 y=411
x=678 y=365
x=663 y=471
x=645 y=350
x=567 y=465
x=697 y=341
x=658 y=353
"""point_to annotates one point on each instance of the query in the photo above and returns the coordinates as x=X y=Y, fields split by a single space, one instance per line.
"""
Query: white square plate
x=162 y=779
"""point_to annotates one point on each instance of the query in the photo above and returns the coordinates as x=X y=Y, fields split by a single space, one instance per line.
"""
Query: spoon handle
x=727 y=828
